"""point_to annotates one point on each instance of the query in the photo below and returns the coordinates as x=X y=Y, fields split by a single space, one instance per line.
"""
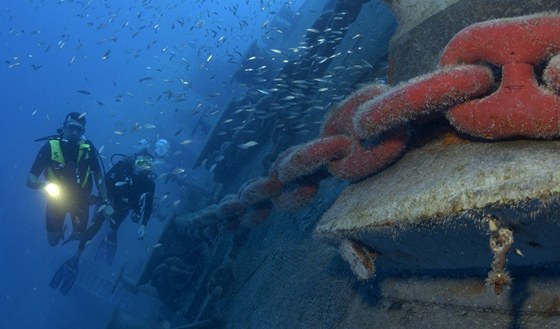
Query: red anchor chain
x=519 y=107
x=369 y=130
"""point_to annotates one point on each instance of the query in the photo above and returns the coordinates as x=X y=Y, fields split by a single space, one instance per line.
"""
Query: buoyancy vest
x=58 y=157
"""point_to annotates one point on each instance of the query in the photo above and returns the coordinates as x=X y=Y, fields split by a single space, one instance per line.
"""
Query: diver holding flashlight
x=70 y=165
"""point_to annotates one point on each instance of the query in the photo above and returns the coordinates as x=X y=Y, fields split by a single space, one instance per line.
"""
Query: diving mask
x=143 y=164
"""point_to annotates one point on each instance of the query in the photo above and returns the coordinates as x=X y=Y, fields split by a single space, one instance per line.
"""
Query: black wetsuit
x=127 y=192
x=75 y=182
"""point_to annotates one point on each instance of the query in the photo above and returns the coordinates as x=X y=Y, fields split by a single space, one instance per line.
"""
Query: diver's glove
x=108 y=211
x=106 y=208
x=141 y=232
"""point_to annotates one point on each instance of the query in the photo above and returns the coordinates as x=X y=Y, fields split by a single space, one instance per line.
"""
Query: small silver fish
x=248 y=145
x=105 y=56
x=152 y=248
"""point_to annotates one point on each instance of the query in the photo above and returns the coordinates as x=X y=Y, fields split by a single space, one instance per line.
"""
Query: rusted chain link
x=369 y=130
x=519 y=107
x=423 y=96
x=365 y=157
x=307 y=158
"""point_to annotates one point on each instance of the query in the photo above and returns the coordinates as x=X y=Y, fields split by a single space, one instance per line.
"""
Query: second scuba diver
x=130 y=188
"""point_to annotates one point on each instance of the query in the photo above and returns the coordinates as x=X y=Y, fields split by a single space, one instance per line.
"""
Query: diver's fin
x=57 y=277
x=108 y=247
x=66 y=275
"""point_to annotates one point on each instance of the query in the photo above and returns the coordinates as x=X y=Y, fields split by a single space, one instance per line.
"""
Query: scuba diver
x=70 y=165
x=131 y=188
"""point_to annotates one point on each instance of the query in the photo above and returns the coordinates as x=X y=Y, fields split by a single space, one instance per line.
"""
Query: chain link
x=369 y=130
x=519 y=107
x=422 y=97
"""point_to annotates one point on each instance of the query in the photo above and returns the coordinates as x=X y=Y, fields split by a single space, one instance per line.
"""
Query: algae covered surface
x=439 y=181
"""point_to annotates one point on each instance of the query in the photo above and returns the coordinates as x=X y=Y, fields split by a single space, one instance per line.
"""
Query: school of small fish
x=280 y=85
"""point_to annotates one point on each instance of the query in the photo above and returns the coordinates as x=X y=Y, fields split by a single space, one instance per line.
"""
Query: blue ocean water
x=138 y=69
